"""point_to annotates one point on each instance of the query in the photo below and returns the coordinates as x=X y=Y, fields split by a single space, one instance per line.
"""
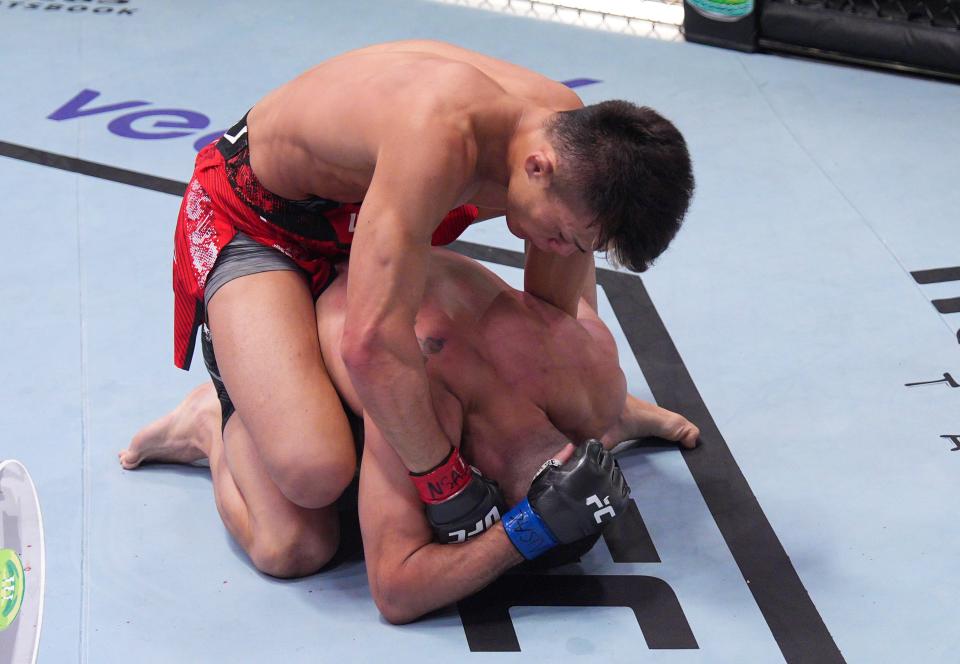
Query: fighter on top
x=376 y=154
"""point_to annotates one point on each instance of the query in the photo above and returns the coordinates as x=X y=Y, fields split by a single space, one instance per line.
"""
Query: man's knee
x=316 y=479
x=294 y=553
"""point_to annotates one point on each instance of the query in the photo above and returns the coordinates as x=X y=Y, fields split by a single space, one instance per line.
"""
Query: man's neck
x=504 y=141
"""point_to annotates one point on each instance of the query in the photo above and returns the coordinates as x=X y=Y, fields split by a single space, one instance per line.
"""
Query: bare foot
x=641 y=419
x=180 y=436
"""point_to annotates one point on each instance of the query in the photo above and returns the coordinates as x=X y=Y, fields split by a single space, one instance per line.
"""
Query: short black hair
x=630 y=166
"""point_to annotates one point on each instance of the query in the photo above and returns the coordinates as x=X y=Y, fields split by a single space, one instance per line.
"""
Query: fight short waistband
x=304 y=218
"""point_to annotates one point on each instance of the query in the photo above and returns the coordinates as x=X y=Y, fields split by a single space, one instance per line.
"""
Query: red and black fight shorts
x=224 y=196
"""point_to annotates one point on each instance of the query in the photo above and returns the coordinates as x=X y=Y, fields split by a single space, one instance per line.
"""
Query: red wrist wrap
x=444 y=480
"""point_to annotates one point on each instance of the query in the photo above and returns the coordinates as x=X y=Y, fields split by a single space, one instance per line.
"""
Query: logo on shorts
x=233 y=139
x=11 y=587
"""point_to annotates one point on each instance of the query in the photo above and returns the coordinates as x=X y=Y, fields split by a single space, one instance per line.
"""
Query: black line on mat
x=937 y=276
x=628 y=539
x=486 y=615
x=784 y=602
x=949 y=306
x=91 y=168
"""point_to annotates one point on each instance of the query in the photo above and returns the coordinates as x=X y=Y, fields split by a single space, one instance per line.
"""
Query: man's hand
x=410 y=573
x=460 y=501
x=640 y=419
x=568 y=501
x=472 y=511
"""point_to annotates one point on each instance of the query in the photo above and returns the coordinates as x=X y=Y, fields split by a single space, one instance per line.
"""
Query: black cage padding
x=917 y=34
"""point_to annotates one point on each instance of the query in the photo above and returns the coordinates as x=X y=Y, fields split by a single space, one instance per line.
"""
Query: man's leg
x=264 y=333
x=281 y=538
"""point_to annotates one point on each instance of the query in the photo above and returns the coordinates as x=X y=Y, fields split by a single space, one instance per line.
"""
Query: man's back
x=505 y=368
x=320 y=133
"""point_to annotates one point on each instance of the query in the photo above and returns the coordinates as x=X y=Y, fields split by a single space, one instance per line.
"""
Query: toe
x=128 y=459
x=690 y=436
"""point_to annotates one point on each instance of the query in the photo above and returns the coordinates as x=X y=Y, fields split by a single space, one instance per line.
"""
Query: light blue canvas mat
x=806 y=318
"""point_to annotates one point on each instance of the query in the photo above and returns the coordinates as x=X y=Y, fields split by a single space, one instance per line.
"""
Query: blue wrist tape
x=527 y=531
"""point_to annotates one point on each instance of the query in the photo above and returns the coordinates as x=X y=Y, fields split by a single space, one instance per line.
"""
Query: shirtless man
x=507 y=387
x=428 y=137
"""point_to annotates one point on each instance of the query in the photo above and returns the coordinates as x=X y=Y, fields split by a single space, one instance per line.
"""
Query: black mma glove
x=460 y=501
x=568 y=502
x=467 y=514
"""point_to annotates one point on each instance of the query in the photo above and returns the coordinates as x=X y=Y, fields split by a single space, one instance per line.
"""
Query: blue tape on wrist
x=527 y=531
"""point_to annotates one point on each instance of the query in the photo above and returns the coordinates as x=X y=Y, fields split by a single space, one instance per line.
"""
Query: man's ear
x=539 y=168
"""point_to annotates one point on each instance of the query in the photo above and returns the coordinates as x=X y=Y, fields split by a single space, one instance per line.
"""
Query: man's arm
x=418 y=178
x=572 y=497
x=411 y=575
x=637 y=419
x=560 y=280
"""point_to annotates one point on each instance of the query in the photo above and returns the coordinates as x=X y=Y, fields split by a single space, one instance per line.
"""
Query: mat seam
x=860 y=215
x=83 y=644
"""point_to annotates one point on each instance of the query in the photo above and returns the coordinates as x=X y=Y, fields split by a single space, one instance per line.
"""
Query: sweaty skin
x=414 y=129
x=515 y=381
x=517 y=374
x=512 y=378
x=316 y=114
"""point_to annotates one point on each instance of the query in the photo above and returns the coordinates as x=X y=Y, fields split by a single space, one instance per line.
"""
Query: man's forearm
x=437 y=575
x=390 y=380
x=589 y=289
x=559 y=280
